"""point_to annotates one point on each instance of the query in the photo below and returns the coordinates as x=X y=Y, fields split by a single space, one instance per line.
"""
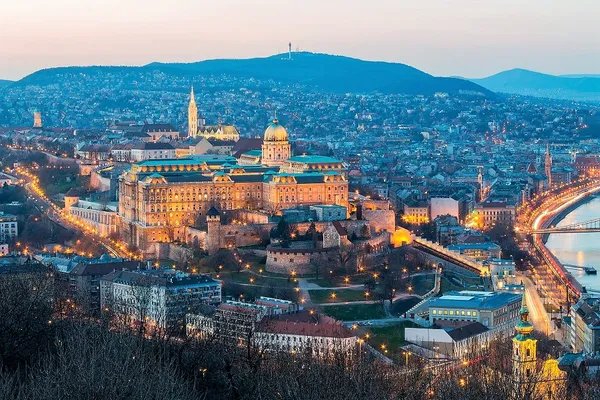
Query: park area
x=355 y=312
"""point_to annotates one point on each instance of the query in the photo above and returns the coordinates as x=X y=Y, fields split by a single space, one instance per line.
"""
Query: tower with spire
x=548 y=166
x=524 y=348
x=192 y=115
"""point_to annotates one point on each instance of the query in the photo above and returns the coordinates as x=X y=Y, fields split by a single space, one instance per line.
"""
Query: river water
x=579 y=248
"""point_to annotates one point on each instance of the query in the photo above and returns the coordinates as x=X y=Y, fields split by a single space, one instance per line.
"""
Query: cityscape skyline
x=443 y=41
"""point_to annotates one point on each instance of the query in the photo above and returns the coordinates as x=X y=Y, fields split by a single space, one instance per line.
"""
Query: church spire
x=524 y=327
x=192 y=115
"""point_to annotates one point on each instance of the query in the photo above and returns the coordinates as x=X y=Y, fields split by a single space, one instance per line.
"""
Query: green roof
x=253 y=153
x=314 y=159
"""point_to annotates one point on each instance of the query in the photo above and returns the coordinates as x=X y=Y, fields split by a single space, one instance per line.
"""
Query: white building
x=161 y=298
x=151 y=151
x=584 y=327
x=451 y=342
x=491 y=212
x=157 y=131
x=9 y=229
x=305 y=331
x=235 y=321
x=102 y=217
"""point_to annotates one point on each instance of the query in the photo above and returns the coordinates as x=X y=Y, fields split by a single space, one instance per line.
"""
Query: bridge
x=580 y=227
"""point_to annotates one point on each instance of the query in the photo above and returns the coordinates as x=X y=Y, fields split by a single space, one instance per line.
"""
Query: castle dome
x=275 y=132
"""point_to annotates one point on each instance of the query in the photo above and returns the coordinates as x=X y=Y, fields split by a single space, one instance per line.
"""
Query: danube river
x=579 y=248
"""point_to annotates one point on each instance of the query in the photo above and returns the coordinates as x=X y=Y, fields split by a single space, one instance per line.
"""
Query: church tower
x=524 y=349
x=548 y=166
x=192 y=116
x=276 y=147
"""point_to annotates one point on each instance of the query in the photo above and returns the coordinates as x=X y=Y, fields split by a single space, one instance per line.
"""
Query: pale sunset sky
x=471 y=38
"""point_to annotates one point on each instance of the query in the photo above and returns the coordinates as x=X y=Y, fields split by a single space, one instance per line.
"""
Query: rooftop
x=309 y=159
x=475 y=300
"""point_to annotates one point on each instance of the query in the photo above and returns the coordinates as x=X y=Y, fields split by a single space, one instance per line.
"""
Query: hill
x=581 y=76
x=4 y=83
x=326 y=72
x=530 y=83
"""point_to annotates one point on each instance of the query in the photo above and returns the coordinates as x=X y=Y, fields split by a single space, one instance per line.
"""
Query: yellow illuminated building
x=159 y=198
x=276 y=148
x=197 y=128
x=532 y=379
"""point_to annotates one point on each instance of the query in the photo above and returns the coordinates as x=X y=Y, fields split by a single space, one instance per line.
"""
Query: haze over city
x=462 y=37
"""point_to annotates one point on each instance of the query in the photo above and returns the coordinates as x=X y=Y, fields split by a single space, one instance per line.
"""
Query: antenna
x=290 y=51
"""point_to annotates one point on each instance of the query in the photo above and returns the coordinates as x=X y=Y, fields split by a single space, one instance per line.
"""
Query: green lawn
x=392 y=337
x=446 y=286
x=337 y=281
x=355 y=312
x=245 y=277
x=423 y=283
x=341 y=295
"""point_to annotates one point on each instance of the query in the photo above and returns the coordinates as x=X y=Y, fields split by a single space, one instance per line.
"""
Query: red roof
x=304 y=324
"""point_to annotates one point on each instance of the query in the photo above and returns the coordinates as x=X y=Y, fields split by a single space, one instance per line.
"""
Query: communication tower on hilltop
x=290 y=51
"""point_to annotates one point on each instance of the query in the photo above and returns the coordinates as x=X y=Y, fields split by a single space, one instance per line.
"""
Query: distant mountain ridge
x=531 y=83
x=581 y=76
x=326 y=72
x=5 y=82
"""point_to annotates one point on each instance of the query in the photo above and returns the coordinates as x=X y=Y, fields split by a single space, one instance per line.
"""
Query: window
x=474 y=313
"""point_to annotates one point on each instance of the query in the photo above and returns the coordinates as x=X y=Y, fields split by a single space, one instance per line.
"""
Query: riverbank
x=579 y=248
x=553 y=221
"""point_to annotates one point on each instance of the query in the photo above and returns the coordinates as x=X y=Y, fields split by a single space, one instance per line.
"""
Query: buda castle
x=159 y=198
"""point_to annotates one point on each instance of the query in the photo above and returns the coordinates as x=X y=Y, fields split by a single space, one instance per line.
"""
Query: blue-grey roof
x=470 y=246
x=475 y=300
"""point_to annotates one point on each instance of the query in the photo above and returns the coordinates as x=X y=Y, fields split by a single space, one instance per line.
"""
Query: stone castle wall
x=302 y=260
x=172 y=252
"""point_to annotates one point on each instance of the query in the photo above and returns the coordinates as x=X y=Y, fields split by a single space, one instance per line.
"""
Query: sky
x=470 y=38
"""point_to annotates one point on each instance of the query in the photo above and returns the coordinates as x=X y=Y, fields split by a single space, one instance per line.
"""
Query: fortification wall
x=301 y=261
